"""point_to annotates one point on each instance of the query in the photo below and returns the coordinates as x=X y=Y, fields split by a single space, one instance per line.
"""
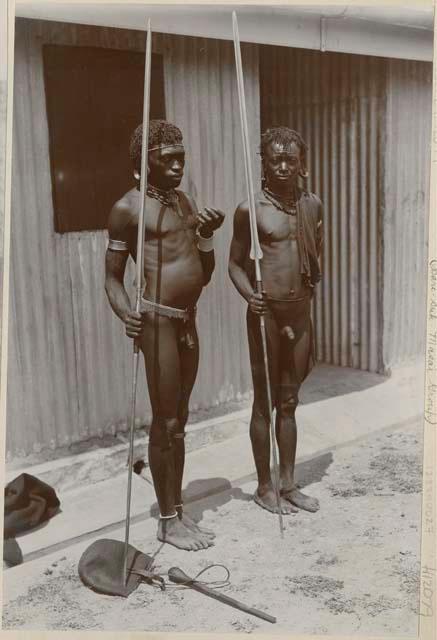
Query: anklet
x=179 y=505
x=168 y=517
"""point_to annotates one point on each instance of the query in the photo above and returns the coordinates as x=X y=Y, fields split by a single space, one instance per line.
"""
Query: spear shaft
x=139 y=277
x=256 y=254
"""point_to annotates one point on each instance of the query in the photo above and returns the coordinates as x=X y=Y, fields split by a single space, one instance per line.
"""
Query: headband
x=165 y=146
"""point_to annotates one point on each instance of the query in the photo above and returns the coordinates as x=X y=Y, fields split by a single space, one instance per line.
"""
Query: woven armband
x=205 y=244
x=118 y=245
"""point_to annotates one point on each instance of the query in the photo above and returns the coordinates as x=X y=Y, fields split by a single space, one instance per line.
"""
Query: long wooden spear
x=256 y=254
x=139 y=277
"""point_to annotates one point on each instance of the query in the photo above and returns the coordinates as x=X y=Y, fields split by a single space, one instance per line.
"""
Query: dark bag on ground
x=101 y=568
x=28 y=503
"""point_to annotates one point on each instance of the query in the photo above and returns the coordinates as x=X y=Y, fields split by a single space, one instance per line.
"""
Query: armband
x=205 y=244
x=118 y=245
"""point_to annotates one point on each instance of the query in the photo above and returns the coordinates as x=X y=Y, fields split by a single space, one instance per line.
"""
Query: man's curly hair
x=160 y=132
x=284 y=136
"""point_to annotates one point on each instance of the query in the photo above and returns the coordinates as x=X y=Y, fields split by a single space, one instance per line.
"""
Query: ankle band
x=167 y=517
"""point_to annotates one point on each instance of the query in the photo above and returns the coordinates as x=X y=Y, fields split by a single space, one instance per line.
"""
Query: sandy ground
x=353 y=567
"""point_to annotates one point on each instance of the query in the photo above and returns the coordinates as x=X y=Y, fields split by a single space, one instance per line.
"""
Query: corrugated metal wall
x=69 y=363
x=408 y=154
x=368 y=124
x=337 y=103
x=202 y=97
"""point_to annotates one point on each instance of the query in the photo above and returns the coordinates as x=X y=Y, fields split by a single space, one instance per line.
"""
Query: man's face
x=281 y=164
x=166 y=167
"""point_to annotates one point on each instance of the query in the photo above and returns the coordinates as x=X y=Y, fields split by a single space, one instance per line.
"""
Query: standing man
x=178 y=263
x=289 y=221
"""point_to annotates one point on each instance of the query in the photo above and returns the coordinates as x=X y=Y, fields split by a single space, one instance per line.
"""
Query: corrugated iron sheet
x=69 y=361
x=69 y=371
x=407 y=175
x=202 y=97
x=337 y=103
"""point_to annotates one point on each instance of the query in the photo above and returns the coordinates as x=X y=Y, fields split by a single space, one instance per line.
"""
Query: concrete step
x=209 y=474
x=350 y=405
x=210 y=470
x=70 y=472
x=86 y=510
x=329 y=393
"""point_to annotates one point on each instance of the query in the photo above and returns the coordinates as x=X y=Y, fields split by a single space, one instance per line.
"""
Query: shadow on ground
x=209 y=494
x=326 y=381
x=313 y=470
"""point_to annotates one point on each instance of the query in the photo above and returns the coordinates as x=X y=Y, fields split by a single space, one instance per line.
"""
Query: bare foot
x=296 y=497
x=268 y=501
x=193 y=526
x=173 y=531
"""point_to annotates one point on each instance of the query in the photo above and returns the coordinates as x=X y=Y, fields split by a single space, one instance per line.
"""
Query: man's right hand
x=134 y=324
x=258 y=303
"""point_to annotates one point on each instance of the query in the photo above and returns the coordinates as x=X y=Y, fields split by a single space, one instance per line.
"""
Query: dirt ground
x=353 y=567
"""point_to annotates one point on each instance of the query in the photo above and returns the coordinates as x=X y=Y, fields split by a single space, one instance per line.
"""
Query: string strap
x=216 y=584
x=150 y=577
x=155 y=579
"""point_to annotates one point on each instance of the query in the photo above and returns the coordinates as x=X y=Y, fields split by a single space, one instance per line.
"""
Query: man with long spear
x=178 y=263
x=274 y=265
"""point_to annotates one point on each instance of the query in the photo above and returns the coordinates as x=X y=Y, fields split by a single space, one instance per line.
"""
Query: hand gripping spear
x=256 y=253
x=139 y=277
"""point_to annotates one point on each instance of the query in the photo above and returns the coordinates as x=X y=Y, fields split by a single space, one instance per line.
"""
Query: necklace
x=288 y=204
x=169 y=197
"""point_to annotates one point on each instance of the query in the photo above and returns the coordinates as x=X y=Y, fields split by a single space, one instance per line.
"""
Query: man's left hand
x=209 y=221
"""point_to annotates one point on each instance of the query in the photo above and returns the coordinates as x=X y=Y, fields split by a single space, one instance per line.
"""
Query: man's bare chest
x=274 y=225
x=162 y=220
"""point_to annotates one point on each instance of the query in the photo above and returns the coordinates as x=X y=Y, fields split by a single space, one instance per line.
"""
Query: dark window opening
x=94 y=99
